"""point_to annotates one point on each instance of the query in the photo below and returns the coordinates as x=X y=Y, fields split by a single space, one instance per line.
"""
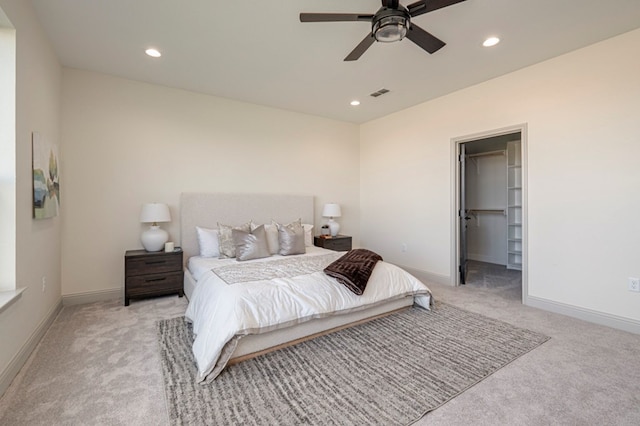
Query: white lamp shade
x=154 y=213
x=331 y=210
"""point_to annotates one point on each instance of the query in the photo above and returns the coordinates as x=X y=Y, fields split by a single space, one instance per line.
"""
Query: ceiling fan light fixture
x=390 y=28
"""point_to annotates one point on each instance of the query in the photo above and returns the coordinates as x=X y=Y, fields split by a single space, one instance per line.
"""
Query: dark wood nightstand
x=148 y=274
x=337 y=243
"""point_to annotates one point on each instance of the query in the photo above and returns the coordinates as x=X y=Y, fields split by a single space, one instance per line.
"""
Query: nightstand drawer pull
x=155 y=262
x=148 y=280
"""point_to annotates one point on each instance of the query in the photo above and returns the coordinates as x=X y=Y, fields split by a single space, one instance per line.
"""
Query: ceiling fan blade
x=360 y=48
x=428 y=42
x=424 y=6
x=334 y=17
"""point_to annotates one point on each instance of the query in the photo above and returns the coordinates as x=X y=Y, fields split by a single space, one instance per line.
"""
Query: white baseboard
x=18 y=361
x=427 y=277
x=596 y=317
x=589 y=315
x=92 y=296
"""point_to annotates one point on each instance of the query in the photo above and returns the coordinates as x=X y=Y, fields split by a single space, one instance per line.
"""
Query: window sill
x=10 y=296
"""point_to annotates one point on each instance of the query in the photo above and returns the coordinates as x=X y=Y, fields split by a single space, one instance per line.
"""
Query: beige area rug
x=390 y=371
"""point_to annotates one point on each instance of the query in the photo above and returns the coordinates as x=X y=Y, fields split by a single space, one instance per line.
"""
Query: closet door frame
x=456 y=149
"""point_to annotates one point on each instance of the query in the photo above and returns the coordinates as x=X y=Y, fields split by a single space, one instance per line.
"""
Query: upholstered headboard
x=206 y=210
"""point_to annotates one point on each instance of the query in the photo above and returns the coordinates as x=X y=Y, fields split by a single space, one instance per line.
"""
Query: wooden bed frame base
x=241 y=358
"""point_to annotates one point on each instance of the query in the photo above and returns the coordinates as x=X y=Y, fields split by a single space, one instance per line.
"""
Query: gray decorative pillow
x=250 y=245
x=225 y=239
x=291 y=239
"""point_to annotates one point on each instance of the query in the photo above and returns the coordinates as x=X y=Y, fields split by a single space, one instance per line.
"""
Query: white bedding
x=222 y=313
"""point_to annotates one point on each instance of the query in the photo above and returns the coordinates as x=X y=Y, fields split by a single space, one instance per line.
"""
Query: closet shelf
x=514 y=211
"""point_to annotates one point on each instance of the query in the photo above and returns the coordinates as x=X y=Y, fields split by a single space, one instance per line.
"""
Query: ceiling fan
x=392 y=22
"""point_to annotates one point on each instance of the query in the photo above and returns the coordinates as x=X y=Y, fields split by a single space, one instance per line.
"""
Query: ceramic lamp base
x=153 y=239
x=334 y=227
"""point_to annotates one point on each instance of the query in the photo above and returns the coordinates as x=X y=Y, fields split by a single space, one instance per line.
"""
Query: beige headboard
x=206 y=210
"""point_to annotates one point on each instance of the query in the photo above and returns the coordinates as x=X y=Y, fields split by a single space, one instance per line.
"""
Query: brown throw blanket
x=354 y=269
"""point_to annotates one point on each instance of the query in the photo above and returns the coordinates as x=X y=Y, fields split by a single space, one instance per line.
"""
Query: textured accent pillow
x=250 y=245
x=208 y=242
x=291 y=239
x=225 y=239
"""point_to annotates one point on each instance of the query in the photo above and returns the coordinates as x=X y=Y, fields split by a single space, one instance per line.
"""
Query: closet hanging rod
x=487 y=211
x=485 y=154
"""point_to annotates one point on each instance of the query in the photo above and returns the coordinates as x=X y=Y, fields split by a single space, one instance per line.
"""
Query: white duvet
x=221 y=313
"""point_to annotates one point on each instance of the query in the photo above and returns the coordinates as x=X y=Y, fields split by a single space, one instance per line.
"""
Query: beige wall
x=583 y=145
x=38 y=80
x=127 y=143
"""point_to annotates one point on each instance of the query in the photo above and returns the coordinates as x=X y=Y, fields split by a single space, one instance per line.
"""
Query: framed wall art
x=46 y=178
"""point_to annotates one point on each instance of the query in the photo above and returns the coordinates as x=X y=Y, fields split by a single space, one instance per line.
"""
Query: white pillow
x=208 y=241
x=308 y=234
x=272 y=238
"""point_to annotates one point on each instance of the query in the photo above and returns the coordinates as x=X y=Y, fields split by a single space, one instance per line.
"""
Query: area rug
x=390 y=371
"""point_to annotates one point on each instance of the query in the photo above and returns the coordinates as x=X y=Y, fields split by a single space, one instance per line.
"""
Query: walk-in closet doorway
x=490 y=211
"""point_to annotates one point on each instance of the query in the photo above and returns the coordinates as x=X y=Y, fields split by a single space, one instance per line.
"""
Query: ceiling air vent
x=379 y=93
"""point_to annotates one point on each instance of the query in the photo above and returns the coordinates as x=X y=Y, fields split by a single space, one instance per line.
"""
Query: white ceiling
x=258 y=51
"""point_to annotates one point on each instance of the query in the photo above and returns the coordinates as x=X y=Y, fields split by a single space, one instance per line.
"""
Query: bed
x=321 y=304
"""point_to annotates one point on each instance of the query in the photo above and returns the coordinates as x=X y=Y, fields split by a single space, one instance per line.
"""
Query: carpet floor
x=363 y=375
x=99 y=364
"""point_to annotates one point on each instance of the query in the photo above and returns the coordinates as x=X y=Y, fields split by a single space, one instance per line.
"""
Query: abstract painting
x=46 y=178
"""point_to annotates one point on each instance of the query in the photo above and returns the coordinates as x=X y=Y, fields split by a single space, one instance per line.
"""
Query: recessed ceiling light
x=491 y=41
x=154 y=53
x=355 y=103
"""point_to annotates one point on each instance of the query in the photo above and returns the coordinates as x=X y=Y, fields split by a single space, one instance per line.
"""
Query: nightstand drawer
x=154 y=284
x=342 y=244
x=337 y=243
x=152 y=274
x=152 y=264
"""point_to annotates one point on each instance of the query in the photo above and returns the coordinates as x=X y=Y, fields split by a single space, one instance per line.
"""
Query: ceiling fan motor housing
x=389 y=25
x=392 y=22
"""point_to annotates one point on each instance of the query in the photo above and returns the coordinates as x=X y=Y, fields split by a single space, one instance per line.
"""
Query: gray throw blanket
x=354 y=269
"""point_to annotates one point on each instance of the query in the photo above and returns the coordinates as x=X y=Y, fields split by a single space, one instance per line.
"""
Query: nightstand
x=148 y=274
x=337 y=243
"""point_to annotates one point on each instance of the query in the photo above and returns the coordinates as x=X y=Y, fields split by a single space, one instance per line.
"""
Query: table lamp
x=332 y=210
x=153 y=239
